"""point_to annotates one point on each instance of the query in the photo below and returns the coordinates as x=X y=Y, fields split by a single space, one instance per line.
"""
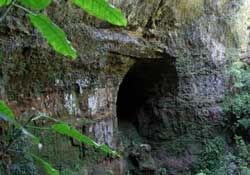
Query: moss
x=241 y=22
x=187 y=10
x=118 y=65
x=31 y=72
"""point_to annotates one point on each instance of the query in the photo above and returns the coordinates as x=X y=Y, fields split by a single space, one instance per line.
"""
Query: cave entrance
x=148 y=88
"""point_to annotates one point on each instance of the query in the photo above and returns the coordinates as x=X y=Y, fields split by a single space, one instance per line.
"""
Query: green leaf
x=102 y=10
x=245 y=122
x=201 y=173
x=6 y=112
x=54 y=35
x=36 y=4
x=65 y=129
x=46 y=166
x=107 y=150
x=4 y=2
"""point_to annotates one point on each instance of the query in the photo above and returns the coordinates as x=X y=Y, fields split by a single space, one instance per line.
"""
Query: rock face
x=142 y=159
x=169 y=65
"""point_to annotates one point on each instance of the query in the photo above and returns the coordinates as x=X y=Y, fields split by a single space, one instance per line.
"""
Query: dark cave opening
x=145 y=89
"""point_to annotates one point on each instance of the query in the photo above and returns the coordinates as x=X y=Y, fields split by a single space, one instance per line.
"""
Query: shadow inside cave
x=147 y=90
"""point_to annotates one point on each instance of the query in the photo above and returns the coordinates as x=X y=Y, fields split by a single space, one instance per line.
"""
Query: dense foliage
x=229 y=154
x=236 y=102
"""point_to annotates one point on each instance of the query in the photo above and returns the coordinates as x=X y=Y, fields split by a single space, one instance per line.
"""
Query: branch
x=23 y=8
x=7 y=11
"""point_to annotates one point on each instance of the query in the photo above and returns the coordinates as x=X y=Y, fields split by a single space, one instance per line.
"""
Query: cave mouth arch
x=145 y=89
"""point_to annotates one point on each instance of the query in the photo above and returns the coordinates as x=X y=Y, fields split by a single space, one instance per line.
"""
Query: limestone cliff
x=168 y=66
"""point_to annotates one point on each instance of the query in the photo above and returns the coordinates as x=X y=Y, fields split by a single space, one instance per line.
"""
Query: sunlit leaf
x=201 y=173
x=54 y=35
x=6 y=112
x=102 y=10
x=36 y=4
x=46 y=166
x=7 y=115
x=4 y=2
x=65 y=129
x=106 y=149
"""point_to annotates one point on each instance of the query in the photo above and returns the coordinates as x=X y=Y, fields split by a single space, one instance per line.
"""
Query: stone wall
x=198 y=33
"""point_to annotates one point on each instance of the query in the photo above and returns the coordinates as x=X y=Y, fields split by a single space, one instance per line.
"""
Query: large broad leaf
x=46 y=166
x=102 y=10
x=36 y=4
x=65 y=129
x=4 y=2
x=5 y=112
x=55 y=36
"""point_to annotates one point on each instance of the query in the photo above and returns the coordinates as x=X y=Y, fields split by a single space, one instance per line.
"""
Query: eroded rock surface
x=173 y=115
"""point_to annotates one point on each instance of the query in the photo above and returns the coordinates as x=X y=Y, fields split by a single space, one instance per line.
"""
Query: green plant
x=12 y=161
x=236 y=104
x=162 y=171
x=54 y=35
x=213 y=150
x=231 y=162
x=201 y=173
x=243 y=155
x=242 y=150
x=109 y=172
x=60 y=127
